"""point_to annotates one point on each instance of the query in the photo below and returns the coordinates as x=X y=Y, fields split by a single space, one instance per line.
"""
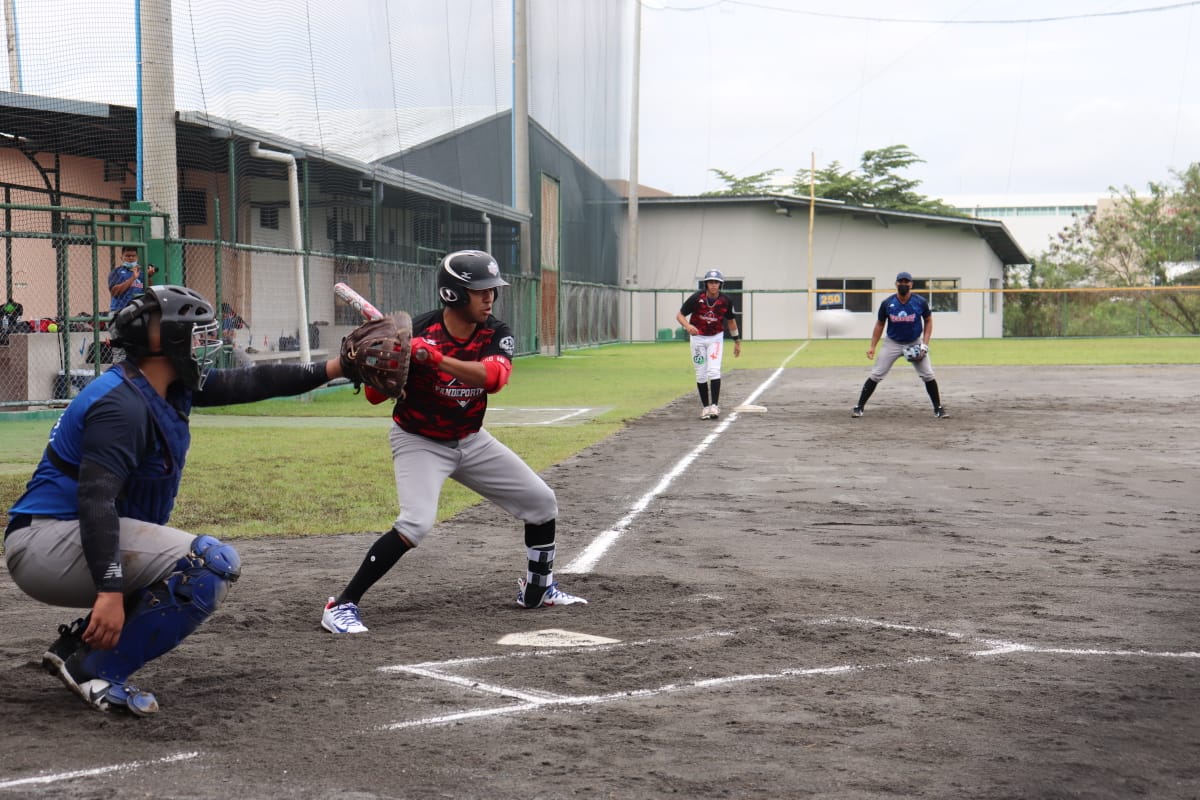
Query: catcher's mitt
x=377 y=353
x=915 y=352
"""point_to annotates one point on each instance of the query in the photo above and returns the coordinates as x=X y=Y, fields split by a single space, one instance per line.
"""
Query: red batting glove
x=426 y=353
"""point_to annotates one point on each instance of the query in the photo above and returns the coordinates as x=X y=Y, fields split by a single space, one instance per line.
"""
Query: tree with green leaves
x=1139 y=241
x=876 y=182
x=759 y=183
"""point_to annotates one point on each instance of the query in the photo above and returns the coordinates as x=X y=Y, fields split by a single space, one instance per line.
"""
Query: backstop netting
x=261 y=152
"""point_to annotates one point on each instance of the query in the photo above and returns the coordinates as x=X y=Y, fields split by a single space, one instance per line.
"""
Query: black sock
x=703 y=389
x=867 y=390
x=382 y=556
x=934 y=395
x=716 y=390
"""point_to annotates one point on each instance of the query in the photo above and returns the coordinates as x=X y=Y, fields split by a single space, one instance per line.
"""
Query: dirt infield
x=1002 y=604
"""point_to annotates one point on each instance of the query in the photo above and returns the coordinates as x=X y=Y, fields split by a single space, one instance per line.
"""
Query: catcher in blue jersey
x=909 y=323
x=91 y=529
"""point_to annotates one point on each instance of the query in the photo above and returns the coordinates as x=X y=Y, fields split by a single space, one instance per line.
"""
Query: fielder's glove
x=377 y=353
x=915 y=352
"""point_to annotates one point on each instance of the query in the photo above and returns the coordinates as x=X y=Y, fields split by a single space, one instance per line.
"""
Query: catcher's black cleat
x=856 y=412
x=69 y=640
x=940 y=413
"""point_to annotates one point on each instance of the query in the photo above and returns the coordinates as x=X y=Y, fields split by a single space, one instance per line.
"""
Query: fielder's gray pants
x=889 y=351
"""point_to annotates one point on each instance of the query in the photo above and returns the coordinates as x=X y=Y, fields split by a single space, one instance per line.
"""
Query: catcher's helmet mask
x=188 y=330
x=463 y=271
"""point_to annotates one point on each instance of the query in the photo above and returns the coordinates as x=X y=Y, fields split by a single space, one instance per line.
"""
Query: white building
x=762 y=245
x=1033 y=219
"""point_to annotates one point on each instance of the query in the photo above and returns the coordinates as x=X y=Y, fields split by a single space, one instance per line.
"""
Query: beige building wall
x=769 y=253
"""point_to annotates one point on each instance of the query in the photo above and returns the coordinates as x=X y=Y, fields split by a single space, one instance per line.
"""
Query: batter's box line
x=533 y=702
x=534 y=699
x=554 y=651
x=1002 y=646
x=128 y=766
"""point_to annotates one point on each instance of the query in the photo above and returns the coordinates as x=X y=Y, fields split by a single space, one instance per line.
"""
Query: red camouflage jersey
x=708 y=316
x=435 y=403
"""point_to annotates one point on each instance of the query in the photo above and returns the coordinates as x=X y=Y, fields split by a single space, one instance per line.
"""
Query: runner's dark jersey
x=708 y=316
x=436 y=404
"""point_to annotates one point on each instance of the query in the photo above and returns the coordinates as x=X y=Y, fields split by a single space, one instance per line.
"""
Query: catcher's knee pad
x=165 y=613
x=205 y=574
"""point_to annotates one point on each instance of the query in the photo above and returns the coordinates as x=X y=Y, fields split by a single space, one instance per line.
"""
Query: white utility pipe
x=297 y=238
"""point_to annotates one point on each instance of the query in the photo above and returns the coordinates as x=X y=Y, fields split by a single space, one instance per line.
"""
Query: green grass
x=252 y=481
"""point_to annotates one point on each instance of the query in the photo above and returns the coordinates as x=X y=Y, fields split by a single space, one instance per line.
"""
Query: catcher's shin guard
x=165 y=613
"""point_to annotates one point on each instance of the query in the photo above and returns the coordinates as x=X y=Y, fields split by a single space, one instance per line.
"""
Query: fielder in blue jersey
x=91 y=532
x=909 y=324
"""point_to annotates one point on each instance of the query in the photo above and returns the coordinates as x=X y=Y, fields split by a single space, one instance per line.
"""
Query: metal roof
x=103 y=131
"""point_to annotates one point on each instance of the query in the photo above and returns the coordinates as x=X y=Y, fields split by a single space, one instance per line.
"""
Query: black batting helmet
x=464 y=270
x=188 y=330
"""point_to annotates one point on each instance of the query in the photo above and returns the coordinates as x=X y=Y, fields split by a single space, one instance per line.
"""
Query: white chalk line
x=550 y=651
x=1000 y=646
x=570 y=413
x=540 y=700
x=87 y=773
x=637 y=694
x=592 y=554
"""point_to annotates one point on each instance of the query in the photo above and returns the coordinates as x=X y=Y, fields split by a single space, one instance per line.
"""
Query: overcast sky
x=995 y=96
x=999 y=97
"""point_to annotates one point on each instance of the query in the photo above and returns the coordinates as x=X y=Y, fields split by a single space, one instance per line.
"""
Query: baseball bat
x=357 y=301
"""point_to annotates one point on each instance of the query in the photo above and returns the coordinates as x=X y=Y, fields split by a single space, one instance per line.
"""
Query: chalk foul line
x=592 y=554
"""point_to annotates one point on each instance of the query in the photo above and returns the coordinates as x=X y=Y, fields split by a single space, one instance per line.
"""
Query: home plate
x=751 y=409
x=553 y=637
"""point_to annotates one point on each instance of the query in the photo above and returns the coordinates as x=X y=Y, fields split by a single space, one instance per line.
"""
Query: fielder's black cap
x=904 y=276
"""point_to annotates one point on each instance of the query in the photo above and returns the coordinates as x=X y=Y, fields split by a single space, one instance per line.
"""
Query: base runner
x=706 y=315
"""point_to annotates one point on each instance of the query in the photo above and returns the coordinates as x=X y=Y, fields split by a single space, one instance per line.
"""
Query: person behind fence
x=706 y=315
x=125 y=279
x=91 y=529
x=460 y=355
x=909 y=323
x=232 y=321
